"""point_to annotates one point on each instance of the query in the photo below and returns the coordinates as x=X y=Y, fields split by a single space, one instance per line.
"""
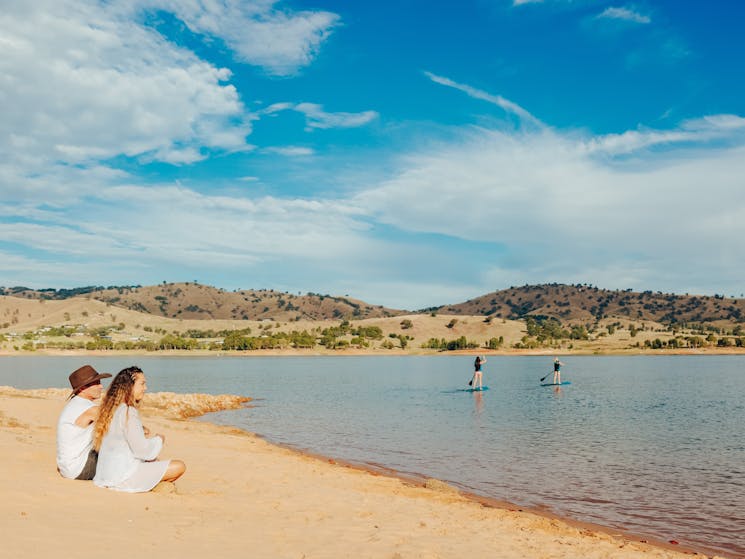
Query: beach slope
x=243 y=497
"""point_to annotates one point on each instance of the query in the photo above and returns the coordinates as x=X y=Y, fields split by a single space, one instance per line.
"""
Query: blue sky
x=407 y=153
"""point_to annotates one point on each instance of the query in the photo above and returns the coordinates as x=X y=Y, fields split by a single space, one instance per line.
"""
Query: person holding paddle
x=557 y=370
x=475 y=382
x=557 y=374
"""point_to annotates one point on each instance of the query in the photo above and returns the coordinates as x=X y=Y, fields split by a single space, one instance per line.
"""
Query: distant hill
x=580 y=304
x=569 y=304
x=196 y=301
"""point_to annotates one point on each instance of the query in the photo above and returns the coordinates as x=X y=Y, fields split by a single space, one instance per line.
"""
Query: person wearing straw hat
x=76 y=458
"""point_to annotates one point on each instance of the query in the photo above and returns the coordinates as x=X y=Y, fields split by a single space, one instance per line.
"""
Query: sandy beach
x=244 y=497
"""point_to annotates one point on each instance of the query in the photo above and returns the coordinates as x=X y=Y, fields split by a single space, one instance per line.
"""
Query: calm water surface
x=651 y=444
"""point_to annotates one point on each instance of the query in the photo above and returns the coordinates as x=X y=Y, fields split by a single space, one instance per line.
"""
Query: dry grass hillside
x=569 y=304
x=581 y=304
x=189 y=316
x=195 y=301
x=32 y=322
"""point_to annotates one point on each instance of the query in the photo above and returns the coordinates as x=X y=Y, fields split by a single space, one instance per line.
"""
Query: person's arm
x=87 y=417
x=142 y=447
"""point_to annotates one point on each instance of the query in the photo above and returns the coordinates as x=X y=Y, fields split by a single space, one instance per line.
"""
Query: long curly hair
x=119 y=391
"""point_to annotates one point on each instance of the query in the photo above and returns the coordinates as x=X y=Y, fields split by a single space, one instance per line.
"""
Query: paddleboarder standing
x=476 y=380
x=557 y=370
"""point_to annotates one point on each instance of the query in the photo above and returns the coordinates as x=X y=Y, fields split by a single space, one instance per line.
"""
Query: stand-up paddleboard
x=555 y=383
x=476 y=389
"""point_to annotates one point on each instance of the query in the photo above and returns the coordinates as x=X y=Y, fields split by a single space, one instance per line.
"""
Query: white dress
x=126 y=457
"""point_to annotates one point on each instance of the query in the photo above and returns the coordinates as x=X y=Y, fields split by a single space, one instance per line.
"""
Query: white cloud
x=86 y=81
x=624 y=14
x=263 y=228
x=31 y=181
x=317 y=118
x=130 y=227
x=275 y=108
x=281 y=41
x=60 y=239
x=90 y=80
x=564 y=206
x=505 y=104
x=691 y=131
x=290 y=151
x=86 y=84
x=553 y=206
x=22 y=270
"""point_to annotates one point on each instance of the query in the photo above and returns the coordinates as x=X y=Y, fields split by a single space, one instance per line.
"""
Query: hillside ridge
x=583 y=304
x=192 y=300
x=567 y=304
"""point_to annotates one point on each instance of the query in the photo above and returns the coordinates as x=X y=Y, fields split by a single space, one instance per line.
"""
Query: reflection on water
x=653 y=445
x=478 y=403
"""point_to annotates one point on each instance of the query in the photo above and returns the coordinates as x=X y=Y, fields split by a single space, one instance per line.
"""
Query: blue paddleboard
x=477 y=389
x=556 y=383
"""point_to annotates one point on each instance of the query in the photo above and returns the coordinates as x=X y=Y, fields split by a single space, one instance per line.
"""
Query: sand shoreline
x=242 y=493
x=423 y=481
x=353 y=352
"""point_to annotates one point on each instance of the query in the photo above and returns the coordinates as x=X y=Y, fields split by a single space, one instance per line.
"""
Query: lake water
x=654 y=445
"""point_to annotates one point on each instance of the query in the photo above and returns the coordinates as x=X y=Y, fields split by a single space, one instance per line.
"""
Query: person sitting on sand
x=476 y=380
x=76 y=458
x=126 y=455
x=557 y=370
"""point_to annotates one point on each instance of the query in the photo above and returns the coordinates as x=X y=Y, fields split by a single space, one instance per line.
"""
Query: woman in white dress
x=126 y=454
